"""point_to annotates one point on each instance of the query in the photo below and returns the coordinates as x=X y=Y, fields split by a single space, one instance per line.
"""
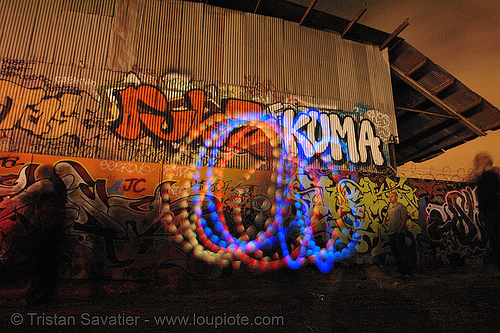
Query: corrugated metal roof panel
x=254 y=52
x=461 y=98
x=18 y=21
x=434 y=78
x=211 y=66
x=160 y=33
x=99 y=36
x=406 y=57
x=191 y=41
x=46 y=28
x=124 y=35
x=298 y=55
x=82 y=45
x=404 y=97
x=488 y=117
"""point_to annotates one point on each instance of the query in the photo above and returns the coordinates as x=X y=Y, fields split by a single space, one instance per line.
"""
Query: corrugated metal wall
x=66 y=57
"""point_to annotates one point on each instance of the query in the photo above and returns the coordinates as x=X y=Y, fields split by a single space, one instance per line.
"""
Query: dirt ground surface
x=349 y=299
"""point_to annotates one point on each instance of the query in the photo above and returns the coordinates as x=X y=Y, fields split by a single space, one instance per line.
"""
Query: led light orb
x=219 y=245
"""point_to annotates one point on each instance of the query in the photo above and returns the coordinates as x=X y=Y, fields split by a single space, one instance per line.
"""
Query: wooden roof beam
x=394 y=45
x=418 y=66
x=428 y=112
x=354 y=20
x=396 y=32
x=257 y=7
x=311 y=5
x=473 y=104
x=436 y=100
x=443 y=86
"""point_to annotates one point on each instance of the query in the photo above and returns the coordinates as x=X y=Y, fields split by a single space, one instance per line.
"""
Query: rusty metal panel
x=122 y=49
x=71 y=43
x=82 y=31
x=235 y=62
x=99 y=36
x=382 y=115
x=45 y=31
x=361 y=75
x=313 y=63
x=160 y=36
x=191 y=41
x=460 y=98
x=253 y=53
x=300 y=60
x=18 y=21
x=268 y=52
x=330 y=73
x=323 y=68
x=210 y=67
x=92 y=7
x=346 y=66
x=7 y=7
x=434 y=79
x=407 y=58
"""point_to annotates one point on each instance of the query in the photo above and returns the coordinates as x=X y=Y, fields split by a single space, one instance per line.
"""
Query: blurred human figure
x=488 y=196
x=47 y=236
x=395 y=222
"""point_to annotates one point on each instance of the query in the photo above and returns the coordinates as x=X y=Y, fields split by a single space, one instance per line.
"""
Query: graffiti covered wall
x=138 y=220
x=191 y=150
x=160 y=123
x=157 y=97
x=287 y=216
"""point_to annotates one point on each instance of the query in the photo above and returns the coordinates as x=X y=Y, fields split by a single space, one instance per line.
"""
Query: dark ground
x=349 y=299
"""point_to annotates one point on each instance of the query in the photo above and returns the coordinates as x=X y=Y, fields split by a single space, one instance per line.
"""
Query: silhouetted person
x=395 y=222
x=47 y=236
x=488 y=196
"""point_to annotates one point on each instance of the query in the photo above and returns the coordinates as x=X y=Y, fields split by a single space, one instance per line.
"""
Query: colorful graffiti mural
x=169 y=122
x=175 y=173
x=139 y=229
